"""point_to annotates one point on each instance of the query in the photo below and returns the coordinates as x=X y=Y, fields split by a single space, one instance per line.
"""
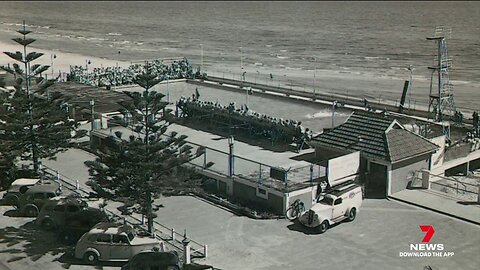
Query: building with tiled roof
x=389 y=153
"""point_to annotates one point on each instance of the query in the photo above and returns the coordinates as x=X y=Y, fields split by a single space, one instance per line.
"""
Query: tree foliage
x=149 y=161
x=33 y=123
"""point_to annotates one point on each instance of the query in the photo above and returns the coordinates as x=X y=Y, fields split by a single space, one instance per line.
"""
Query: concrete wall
x=402 y=172
x=251 y=196
x=306 y=198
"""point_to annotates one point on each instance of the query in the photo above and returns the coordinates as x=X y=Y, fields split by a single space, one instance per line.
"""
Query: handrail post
x=205 y=250
x=478 y=195
x=173 y=234
x=260 y=174
x=205 y=159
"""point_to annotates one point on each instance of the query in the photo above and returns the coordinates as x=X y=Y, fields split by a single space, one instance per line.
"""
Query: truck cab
x=340 y=204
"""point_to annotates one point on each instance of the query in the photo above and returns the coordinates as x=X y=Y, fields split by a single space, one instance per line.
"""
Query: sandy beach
x=354 y=83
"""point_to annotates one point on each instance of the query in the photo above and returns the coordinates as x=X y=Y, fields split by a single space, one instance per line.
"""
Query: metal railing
x=161 y=232
x=454 y=187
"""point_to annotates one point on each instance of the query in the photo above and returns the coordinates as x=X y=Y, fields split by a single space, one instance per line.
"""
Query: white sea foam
x=320 y=114
x=282 y=57
x=114 y=34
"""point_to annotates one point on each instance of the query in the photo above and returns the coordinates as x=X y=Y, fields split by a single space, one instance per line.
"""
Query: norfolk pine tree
x=34 y=125
x=139 y=167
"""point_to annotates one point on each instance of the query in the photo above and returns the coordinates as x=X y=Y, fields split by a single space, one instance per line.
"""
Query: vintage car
x=162 y=261
x=58 y=211
x=113 y=242
x=16 y=188
x=30 y=202
x=340 y=204
x=150 y=259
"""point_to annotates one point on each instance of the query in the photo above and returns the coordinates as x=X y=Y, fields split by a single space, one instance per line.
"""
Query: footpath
x=441 y=203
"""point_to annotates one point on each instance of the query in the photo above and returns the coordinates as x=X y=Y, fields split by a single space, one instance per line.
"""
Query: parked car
x=16 y=188
x=157 y=260
x=80 y=223
x=30 y=202
x=150 y=259
x=113 y=242
x=58 y=210
x=340 y=204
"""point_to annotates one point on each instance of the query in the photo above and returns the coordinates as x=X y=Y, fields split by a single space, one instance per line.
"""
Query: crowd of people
x=244 y=120
x=110 y=76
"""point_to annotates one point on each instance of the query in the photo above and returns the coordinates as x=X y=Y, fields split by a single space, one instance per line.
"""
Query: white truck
x=339 y=204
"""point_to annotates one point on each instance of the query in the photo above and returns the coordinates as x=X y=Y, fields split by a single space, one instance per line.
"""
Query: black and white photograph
x=233 y=135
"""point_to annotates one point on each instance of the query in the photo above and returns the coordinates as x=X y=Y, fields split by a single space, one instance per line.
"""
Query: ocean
x=376 y=37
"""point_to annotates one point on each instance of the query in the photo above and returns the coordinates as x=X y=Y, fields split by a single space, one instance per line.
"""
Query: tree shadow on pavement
x=68 y=260
x=13 y=213
x=28 y=241
x=468 y=203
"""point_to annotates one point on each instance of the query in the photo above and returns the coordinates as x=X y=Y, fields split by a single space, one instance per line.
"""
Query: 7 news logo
x=425 y=249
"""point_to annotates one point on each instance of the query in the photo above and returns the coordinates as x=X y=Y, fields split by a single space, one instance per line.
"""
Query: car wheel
x=31 y=211
x=323 y=227
x=48 y=224
x=90 y=257
x=352 y=214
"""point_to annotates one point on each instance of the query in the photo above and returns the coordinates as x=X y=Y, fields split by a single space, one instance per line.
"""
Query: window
x=131 y=235
x=338 y=201
x=104 y=238
x=38 y=196
x=92 y=237
x=327 y=201
x=120 y=239
x=59 y=208
x=262 y=193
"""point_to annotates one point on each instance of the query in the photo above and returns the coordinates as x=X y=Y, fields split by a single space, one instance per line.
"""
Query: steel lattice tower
x=442 y=103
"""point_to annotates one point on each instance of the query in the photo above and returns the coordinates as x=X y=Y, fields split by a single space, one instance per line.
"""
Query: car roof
x=342 y=190
x=156 y=257
x=44 y=187
x=25 y=181
x=65 y=199
x=111 y=228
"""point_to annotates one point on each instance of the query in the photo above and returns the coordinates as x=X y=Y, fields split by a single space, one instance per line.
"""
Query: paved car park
x=374 y=240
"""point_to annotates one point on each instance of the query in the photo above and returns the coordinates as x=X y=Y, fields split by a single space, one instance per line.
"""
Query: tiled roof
x=403 y=144
x=366 y=132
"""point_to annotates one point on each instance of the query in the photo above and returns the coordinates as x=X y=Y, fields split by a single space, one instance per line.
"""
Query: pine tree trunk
x=34 y=151
x=149 y=212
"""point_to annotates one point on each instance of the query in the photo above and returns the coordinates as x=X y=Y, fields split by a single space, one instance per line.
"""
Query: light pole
x=231 y=170
x=52 y=56
x=92 y=105
x=410 y=68
x=201 y=61
x=334 y=105
x=241 y=59
x=314 y=74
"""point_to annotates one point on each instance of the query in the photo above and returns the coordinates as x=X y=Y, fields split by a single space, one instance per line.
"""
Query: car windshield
x=131 y=235
x=327 y=200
